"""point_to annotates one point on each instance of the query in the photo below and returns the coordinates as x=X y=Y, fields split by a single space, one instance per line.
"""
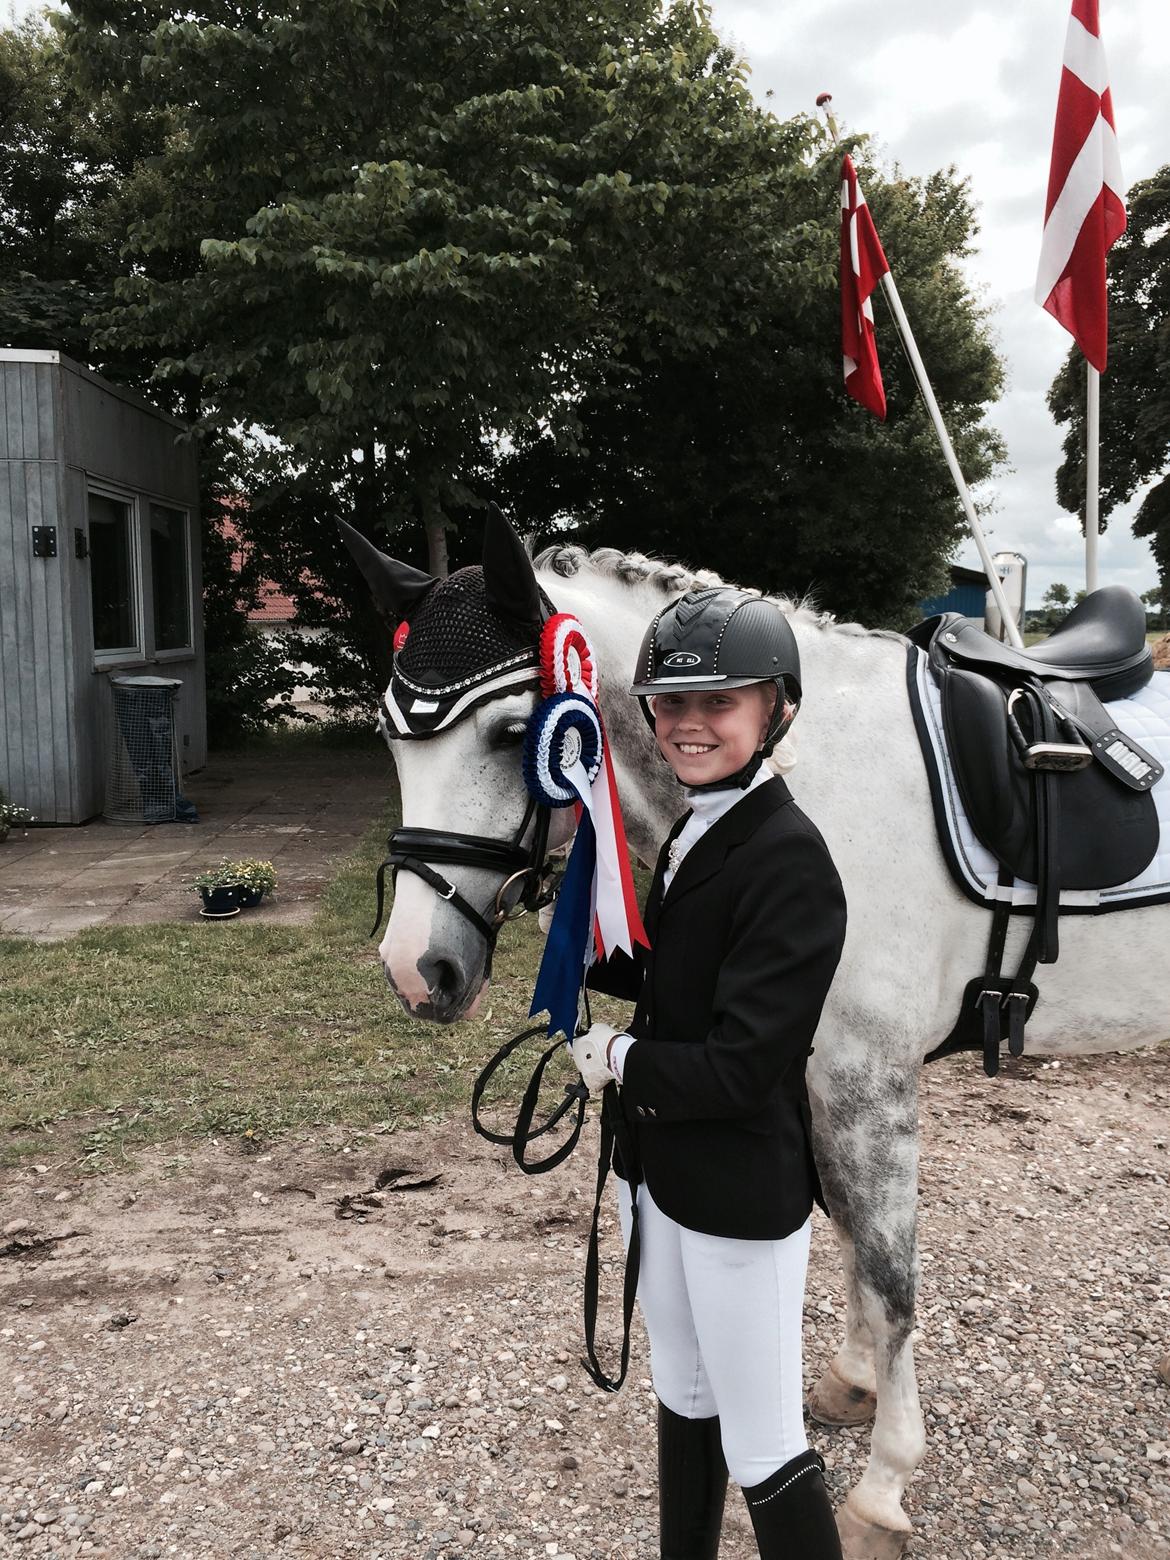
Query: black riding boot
x=692 y=1481
x=792 y=1514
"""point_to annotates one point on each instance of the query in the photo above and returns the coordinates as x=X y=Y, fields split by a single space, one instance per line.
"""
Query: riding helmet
x=717 y=638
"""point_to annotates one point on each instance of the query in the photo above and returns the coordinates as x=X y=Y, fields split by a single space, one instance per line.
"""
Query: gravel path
x=212 y=1361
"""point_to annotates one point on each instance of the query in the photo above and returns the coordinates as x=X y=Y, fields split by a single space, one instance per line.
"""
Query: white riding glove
x=588 y=1051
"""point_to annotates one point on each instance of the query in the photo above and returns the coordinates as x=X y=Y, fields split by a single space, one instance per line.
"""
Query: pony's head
x=465 y=681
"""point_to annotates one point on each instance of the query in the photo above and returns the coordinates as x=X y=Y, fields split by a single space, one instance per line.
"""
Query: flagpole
x=1092 y=473
x=1007 y=616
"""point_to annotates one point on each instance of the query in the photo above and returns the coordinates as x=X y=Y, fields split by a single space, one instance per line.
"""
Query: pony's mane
x=672 y=579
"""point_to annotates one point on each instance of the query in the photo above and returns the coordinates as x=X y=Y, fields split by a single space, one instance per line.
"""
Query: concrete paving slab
x=41 y=871
x=49 y=924
x=129 y=872
x=304 y=811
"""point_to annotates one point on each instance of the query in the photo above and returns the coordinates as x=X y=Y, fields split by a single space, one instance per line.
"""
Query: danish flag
x=863 y=264
x=1085 y=213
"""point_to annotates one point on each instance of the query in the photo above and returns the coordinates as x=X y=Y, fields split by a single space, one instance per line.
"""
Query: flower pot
x=249 y=898
x=220 y=901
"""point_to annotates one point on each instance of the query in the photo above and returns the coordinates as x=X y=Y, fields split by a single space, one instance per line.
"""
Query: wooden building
x=99 y=575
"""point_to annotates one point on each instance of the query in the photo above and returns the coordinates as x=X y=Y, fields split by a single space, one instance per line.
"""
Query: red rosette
x=567 y=661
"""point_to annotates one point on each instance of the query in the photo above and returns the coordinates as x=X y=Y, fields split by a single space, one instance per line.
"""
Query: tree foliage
x=437 y=251
x=1135 y=391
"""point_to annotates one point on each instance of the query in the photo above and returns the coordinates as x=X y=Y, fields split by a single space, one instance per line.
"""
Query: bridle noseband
x=413 y=850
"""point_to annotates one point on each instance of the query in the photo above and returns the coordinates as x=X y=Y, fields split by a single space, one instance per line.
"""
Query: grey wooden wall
x=37 y=749
x=61 y=427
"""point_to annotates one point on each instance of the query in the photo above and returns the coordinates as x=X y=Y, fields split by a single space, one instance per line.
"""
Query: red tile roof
x=273 y=606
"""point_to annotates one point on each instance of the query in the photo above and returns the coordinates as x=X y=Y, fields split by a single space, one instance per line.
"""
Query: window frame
x=136 y=653
x=174 y=652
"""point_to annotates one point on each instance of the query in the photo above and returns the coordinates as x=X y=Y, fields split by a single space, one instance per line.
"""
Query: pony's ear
x=508 y=576
x=396 y=587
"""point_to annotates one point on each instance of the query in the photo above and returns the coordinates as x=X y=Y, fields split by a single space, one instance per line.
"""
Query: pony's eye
x=510 y=735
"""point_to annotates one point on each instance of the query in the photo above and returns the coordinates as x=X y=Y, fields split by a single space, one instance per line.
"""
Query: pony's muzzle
x=442 y=991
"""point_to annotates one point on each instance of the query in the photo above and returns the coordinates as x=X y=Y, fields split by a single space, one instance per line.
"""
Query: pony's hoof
x=1163 y=1369
x=835 y=1401
x=862 y=1540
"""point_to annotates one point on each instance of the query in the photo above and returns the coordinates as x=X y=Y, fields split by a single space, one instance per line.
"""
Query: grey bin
x=142 y=773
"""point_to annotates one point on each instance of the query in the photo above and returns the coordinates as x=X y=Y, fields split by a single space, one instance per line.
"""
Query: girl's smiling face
x=709 y=734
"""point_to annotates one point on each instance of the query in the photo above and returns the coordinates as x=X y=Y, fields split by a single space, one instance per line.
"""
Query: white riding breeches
x=724 y=1318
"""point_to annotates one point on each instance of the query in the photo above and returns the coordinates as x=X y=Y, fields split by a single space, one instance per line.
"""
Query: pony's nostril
x=445 y=980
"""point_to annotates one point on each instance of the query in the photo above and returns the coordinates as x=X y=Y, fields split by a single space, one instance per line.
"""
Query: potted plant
x=219 y=888
x=256 y=878
x=12 y=816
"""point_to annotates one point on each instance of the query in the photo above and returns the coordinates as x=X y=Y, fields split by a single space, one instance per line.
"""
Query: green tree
x=449 y=249
x=1155 y=604
x=1135 y=391
x=66 y=154
x=1057 y=599
x=741 y=451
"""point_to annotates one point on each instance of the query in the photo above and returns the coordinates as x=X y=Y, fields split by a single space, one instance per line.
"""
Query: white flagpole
x=1092 y=473
x=1007 y=616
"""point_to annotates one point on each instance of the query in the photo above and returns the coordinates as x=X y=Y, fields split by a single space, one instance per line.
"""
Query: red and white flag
x=1085 y=213
x=863 y=264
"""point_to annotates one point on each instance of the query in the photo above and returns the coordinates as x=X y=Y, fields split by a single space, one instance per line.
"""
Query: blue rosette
x=563 y=738
x=563 y=748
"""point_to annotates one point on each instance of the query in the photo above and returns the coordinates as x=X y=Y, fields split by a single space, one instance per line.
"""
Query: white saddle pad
x=1145 y=717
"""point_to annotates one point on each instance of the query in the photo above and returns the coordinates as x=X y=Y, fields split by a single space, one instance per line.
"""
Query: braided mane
x=669 y=579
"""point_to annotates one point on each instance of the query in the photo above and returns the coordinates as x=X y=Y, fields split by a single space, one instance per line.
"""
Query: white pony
x=913 y=941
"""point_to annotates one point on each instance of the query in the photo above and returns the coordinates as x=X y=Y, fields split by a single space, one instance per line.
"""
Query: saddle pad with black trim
x=1145 y=717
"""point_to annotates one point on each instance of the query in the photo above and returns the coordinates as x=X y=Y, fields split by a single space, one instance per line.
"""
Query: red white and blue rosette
x=562 y=750
x=566 y=761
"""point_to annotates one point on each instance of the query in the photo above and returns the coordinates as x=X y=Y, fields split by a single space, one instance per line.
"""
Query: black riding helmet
x=721 y=638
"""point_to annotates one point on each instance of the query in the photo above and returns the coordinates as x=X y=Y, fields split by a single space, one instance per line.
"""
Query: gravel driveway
x=210 y=1361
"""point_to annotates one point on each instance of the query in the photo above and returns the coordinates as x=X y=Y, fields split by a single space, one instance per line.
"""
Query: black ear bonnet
x=460 y=640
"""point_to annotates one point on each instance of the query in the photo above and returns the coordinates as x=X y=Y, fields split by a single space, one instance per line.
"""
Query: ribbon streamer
x=566 y=761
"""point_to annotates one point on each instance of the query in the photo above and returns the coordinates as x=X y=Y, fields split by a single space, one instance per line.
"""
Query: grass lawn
x=136 y=1035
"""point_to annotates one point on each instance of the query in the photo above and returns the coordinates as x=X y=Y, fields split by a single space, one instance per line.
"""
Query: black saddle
x=1049 y=784
x=1102 y=642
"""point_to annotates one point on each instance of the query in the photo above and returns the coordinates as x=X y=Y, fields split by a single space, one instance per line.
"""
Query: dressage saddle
x=1050 y=785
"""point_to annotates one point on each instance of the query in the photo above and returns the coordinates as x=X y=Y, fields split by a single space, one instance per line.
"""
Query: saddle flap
x=1108 y=831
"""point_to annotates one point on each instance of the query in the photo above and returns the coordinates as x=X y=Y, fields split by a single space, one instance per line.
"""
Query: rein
x=412 y=850
x=529 y=884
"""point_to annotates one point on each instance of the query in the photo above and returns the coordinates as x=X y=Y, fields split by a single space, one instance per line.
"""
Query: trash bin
x=142 y=773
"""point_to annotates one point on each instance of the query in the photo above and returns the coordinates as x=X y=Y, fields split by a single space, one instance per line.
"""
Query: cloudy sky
x=975 y=84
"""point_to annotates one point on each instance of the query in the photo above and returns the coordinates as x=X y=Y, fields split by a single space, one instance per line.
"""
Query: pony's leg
x=846 y=1392
x=866 y=1126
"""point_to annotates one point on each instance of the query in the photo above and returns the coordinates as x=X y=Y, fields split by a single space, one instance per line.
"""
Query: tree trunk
x=436 y=533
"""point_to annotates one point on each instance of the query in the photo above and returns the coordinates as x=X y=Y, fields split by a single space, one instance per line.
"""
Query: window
x=170 y=578
x=112 y=573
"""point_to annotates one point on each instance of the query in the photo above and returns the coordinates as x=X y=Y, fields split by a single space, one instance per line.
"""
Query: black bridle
x=527 y=871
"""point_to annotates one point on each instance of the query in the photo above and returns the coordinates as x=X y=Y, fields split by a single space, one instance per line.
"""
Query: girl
x=746 y=920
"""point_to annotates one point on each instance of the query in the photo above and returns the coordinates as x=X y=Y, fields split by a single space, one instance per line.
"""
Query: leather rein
x=530 y=876
x=529 y=872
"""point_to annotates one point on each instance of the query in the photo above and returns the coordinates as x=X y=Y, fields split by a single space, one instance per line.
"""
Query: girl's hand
x=590 y=1051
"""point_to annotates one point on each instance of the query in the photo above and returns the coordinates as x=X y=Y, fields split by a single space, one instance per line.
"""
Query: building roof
x=273 y=605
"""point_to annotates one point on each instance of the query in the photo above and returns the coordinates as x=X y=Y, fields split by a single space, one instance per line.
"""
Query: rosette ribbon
x=566 y=763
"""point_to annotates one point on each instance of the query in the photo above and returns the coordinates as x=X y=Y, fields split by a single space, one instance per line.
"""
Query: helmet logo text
x=681 y=658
